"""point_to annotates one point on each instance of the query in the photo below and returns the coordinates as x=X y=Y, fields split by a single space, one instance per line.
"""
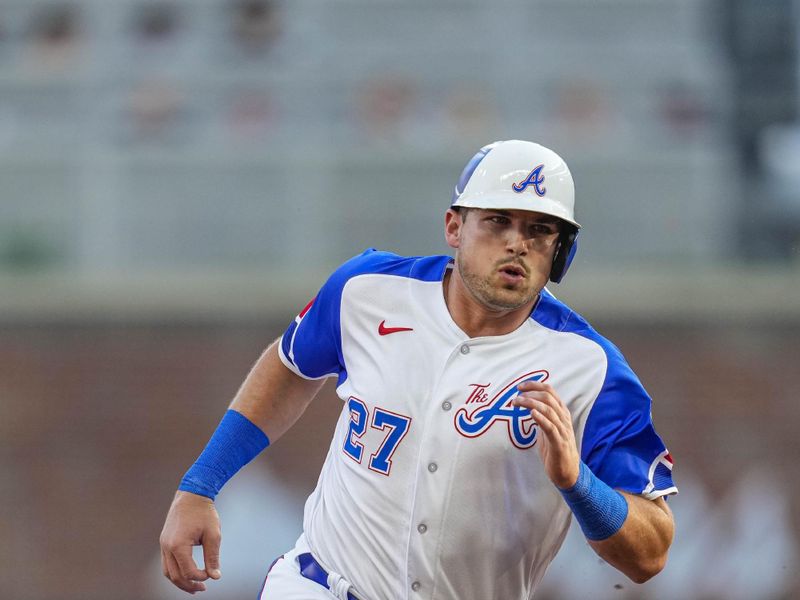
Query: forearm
x=272 y=397
x=639 y=549
x=629 y=532
x=269 y=401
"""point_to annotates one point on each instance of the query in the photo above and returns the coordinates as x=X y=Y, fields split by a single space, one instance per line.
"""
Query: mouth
x=512 y=272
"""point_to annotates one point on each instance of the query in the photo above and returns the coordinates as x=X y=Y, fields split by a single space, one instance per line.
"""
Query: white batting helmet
x=520 y=175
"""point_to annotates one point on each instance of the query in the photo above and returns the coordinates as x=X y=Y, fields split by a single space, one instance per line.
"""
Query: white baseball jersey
x=432 y=487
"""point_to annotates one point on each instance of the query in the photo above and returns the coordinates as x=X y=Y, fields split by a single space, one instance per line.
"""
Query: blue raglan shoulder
x=312 y=344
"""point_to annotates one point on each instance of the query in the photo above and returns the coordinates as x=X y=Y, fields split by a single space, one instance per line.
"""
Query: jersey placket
x=436 y=467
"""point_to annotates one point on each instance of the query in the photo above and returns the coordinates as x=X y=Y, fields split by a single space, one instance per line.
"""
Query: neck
x=476 y=319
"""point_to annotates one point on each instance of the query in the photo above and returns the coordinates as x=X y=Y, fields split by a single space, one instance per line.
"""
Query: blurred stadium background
x=178 y=177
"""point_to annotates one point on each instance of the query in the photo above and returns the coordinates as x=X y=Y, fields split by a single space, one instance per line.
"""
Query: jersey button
x=416 y=585
x=464 y=349
x=432 y=467
x=422 y=528
x=446 y=405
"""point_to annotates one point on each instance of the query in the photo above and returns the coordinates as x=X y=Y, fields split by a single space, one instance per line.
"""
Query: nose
x=517 y=242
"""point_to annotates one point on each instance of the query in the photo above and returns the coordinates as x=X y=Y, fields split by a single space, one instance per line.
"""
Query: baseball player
x=480 y=414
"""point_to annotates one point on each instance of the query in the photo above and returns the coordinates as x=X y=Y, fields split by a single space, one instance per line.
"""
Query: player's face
x=504 y=257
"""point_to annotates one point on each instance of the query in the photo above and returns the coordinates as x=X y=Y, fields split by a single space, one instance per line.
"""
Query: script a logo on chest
x=480 y=413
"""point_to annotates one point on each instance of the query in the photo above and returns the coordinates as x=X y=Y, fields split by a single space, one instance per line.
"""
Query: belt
x=311 y=569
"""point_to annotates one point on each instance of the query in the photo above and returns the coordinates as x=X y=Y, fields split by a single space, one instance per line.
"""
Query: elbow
x=644 y=571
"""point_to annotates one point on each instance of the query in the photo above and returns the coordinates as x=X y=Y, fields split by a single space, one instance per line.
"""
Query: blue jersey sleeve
x=312 y=344
x=620 y=444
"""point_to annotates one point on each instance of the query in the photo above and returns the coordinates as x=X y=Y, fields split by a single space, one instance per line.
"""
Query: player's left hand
x=557 y=446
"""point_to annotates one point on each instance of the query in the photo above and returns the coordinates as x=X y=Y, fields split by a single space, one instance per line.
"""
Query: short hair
x=462 y=210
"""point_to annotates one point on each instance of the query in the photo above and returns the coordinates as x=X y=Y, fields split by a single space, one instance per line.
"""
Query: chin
x=519 y=293
x=509 y=301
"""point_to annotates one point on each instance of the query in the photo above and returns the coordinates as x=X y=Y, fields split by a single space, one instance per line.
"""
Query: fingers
x=541 y=390
x=547 y=418
x=188 y=578
x=546 y=407
x=164 y=568
x=211 y=543
x=557 y=432
x=558 y=449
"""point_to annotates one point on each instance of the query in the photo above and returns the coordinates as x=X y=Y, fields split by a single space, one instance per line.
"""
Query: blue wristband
x=599 y=510
x=236 y=441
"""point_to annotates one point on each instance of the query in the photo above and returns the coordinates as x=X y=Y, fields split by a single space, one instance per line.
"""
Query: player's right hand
x=192 y=520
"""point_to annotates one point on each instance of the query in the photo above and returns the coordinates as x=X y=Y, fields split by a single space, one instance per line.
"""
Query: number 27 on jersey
x=394 y=425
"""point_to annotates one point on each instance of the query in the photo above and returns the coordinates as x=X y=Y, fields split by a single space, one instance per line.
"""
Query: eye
x=544 y=229
x=499 y=219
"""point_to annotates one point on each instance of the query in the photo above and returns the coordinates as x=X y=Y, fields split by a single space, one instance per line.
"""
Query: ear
x=452 y=228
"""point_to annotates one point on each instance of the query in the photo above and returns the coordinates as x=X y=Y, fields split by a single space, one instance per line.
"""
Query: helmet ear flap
x=567 y=247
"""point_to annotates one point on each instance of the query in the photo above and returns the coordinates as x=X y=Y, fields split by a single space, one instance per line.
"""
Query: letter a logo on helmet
x=535 y=178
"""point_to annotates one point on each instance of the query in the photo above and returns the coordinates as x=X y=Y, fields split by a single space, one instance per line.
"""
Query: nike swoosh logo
x=383 y=330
